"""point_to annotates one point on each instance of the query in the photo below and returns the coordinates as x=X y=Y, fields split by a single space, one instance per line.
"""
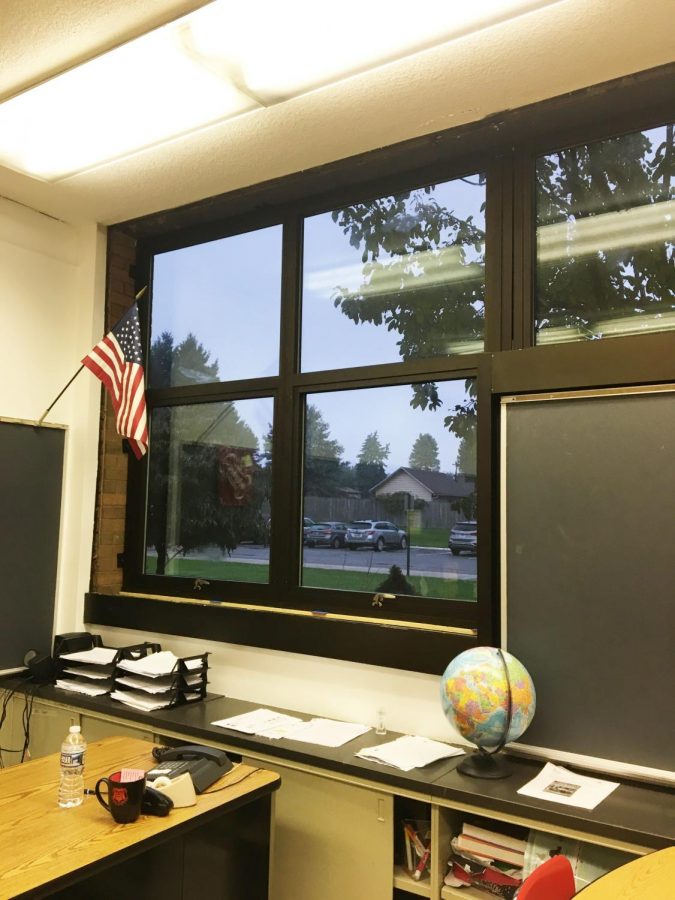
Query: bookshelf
x=404 y=881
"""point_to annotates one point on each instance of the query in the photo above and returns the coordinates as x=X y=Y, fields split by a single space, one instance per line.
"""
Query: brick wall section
x=111 y=488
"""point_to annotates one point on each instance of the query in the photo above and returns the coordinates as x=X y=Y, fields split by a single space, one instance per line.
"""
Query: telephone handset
x=204 y=764
x=193 y=751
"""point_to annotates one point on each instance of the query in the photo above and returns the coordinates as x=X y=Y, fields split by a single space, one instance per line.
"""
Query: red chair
x=552 y=880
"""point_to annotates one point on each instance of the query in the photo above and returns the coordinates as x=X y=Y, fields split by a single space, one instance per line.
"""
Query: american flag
x=117 y=361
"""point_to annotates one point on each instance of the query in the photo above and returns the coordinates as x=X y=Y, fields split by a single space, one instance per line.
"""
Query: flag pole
x=53 y=403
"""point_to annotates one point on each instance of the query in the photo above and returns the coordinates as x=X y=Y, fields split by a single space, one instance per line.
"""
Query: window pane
x=605 y=231
x=209 y=487
x=388 y=472
x=398 y=278
x=215 y=310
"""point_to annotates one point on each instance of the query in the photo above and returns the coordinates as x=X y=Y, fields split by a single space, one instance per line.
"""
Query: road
x=423 y=561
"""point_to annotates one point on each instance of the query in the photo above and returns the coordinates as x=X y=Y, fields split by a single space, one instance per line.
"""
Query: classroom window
x=319 y=346
x=216 y=310
x=388 y=472
x=605 y=238
x=209 y=491
x=398 y=278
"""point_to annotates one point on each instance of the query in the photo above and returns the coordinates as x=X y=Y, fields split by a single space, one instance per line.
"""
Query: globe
x=489 y=698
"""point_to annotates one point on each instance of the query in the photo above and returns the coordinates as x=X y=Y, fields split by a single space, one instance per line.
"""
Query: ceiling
x=556 y=49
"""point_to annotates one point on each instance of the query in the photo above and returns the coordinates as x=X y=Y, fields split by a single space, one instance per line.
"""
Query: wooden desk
x=650 y=877
x=220 y=847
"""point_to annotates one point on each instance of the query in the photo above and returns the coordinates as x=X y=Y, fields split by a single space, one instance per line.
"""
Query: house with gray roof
x=423 y=484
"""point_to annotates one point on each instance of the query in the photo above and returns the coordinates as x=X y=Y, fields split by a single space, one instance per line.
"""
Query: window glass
x=209 y=486
x=216 y=310
x=395 y=279
x=388 y=471
x=605 y=233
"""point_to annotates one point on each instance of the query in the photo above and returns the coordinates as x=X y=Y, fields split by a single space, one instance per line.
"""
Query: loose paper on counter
x=562 y=786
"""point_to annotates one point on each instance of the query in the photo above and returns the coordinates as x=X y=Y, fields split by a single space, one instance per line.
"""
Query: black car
x=326 y=534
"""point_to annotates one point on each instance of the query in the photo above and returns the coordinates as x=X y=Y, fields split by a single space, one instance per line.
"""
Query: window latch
x=200 y=583
x=378 y=599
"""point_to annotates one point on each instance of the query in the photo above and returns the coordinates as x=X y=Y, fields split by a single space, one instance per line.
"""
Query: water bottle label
x=72 y=759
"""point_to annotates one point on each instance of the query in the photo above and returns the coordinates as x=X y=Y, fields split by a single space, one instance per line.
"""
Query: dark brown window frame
x=506 y=148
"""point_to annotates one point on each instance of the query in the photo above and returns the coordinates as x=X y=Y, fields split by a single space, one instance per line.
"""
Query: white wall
x=51 y=305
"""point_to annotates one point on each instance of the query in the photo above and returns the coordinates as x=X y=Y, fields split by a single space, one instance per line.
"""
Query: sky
x=227 y=293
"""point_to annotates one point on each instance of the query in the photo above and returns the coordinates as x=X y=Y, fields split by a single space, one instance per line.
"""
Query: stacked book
x=490 y=861
x=159 y=680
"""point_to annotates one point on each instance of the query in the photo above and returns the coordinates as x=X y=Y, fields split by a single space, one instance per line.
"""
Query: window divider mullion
x=286 y=459
x=524 y=247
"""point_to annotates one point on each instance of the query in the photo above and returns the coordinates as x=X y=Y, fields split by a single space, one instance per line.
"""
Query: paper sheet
x=140 y=701
x=562 y=786
x=82 y=687
x=261 y=722
x=97 y=656
x=155 y=686
x=154 y=666
x=95 y=672
x=409 y=752
x=327 y=732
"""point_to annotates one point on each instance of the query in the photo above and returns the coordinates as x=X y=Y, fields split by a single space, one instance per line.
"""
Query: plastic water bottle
x=71 y=786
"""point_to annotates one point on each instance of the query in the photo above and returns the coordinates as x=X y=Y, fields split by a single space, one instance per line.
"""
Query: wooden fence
x=435 y=514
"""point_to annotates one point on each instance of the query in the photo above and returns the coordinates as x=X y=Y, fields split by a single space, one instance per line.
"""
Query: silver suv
x=378 y=535
x=463 y=536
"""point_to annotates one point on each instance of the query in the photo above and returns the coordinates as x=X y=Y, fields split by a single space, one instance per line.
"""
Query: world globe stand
x=482 y=764
x=486 y=707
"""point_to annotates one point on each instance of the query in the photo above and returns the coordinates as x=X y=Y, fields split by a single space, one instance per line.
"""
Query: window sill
x=398 y=645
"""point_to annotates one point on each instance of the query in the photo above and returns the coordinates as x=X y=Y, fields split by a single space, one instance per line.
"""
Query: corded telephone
x=155 y=803
x=204 y=764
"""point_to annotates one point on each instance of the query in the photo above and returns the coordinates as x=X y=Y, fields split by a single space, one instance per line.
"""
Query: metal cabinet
x=331 y=839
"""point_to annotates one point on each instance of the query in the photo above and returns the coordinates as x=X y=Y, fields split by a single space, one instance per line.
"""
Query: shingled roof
x=439 y=483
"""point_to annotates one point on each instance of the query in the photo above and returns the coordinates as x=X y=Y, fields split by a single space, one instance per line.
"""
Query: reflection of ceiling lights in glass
x=649 y=224
x=221 y=61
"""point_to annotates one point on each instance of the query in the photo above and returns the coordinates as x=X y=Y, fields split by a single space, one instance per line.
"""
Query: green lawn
x=430 y=537
x=336 y=579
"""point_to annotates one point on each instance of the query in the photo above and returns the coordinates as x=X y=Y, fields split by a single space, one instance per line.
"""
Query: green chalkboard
x=589 y=541
x=31 y=478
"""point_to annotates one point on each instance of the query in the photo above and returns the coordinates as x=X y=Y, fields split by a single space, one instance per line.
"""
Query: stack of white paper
x=409 y=752
x=152 y=666
x=91 y=670
x=98 y=673
x=139 y=700
x=97 y=656
x=327 y=732
x=261 y=722
x=265 y=723
x=82 y=687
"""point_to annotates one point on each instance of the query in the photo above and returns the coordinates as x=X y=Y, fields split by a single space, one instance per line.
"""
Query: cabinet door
x=48 y=727
x=94 y=729
x=330 y=839
x=11 y=735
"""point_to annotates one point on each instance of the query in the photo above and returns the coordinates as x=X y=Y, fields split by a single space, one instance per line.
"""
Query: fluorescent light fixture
x=223 y=60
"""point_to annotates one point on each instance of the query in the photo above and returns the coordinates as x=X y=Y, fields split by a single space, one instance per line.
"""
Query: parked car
x=307 y=523
x=326 y=534
x=378 y=535
x=463 y=536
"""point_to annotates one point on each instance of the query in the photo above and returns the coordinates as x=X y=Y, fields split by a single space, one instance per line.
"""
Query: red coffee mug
x=125 y=794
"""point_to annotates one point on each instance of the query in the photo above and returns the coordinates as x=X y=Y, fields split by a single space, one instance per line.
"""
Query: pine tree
x=424 y=453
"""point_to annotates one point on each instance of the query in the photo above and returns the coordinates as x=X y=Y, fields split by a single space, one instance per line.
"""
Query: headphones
x=41 y=668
